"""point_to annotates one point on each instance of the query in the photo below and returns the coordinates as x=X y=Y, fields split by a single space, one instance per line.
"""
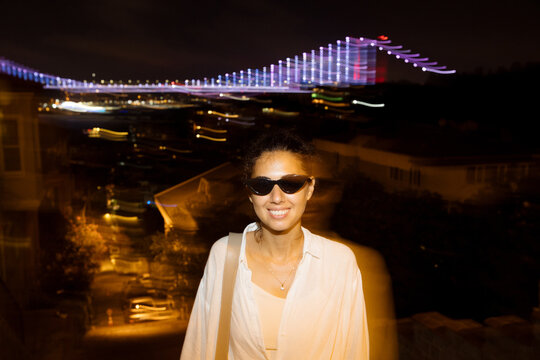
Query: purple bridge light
x=347 y=62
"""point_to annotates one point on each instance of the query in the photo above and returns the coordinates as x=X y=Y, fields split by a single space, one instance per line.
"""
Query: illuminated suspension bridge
x=352 y=61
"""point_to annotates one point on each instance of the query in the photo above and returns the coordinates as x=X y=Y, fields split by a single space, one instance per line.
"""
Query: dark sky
x=157 y=39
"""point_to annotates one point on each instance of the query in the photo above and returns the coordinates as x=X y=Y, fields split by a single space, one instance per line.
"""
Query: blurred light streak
x=329 y=103
x=358 y=102
x=178 y=151
x=280 y=112
x=107 y=134
x=232 y=97
x=150 y=202
x=210 y=138
x=329 y=98
x=218 y=131
x=81 y=107
x=216 y=113
x=121 y=219
x=163 y=106
x=238 y=122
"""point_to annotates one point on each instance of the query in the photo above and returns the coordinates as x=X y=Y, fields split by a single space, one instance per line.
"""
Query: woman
x=297 y=295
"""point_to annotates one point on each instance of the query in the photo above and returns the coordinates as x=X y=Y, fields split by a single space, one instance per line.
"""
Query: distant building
x=455 y=178
x=21 y=188
x=30 y=182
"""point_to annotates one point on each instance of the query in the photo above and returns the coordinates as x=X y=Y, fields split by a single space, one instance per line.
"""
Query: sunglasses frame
x=280 y=182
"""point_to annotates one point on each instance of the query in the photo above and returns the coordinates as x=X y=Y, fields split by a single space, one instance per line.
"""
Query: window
x=512 y=172
x=396 y=173
x=414 y=177
x=524 y=171
x=9 y=135
x=503 y=174
x=471 y=171
x=479 y=174
x=491 y=174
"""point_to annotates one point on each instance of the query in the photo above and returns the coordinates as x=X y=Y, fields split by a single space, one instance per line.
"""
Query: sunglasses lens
x=293 y=184
x=260 y=186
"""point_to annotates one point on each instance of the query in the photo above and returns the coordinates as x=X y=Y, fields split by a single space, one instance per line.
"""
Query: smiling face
x=278 y=211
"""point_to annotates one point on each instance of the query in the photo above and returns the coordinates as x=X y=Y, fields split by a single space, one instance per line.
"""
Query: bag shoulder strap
x=229 y=277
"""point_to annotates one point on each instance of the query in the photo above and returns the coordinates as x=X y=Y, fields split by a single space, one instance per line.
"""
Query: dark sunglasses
x=289 y=184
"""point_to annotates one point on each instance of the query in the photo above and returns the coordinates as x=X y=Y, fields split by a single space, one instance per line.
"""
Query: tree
x=69 y=254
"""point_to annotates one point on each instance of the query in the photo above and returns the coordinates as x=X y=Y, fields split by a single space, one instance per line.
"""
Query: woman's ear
x=311 y=187
x=250 y=200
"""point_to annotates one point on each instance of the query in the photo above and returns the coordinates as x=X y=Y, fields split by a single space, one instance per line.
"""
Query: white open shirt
x=324 y=315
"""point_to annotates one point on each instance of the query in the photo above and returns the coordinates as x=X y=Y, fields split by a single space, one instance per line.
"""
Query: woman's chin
x=280 y=226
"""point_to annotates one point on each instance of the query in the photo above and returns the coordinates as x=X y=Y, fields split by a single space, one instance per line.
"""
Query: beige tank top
x=270 y=310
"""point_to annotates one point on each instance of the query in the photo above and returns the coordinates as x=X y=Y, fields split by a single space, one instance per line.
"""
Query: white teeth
x=278 y=212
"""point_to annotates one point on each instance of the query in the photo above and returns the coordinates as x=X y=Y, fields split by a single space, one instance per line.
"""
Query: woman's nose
x=276 y=195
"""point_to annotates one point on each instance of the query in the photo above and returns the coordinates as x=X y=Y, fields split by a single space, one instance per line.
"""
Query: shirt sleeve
x=358 y=337
x=201 y=334
x=353 y=321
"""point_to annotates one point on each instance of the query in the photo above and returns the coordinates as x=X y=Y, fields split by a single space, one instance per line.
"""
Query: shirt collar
x=312 y=244
x=250 y=227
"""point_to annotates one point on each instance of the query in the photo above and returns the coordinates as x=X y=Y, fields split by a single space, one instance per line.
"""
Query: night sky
x=150 y=40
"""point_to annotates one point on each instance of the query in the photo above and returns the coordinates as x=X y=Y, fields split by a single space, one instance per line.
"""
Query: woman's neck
x=280 y=247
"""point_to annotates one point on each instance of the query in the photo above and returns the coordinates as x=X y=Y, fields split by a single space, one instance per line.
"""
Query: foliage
x=69 y=252
x=187 y=251
x=87 y=238
x=178 y=250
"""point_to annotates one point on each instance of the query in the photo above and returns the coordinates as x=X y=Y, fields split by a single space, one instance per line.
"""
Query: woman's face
x=278 y=211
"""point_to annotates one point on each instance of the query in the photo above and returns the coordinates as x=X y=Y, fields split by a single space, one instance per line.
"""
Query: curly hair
x=277 y=140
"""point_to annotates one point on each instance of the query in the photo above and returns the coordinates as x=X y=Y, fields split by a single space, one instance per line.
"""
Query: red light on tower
x=382 y=37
